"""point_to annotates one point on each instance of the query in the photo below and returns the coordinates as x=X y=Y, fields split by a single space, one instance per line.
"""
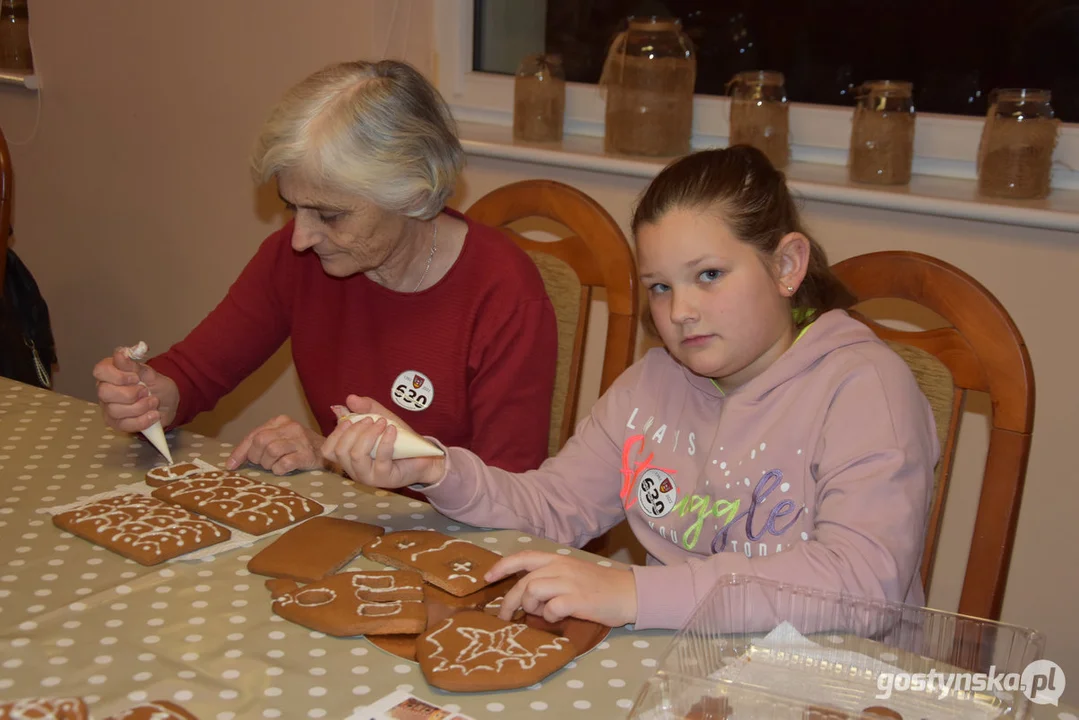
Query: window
x=480 y=42
x=954 y=51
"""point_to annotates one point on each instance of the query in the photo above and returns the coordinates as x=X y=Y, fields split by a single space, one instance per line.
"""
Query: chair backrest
x=595 y=255
x=983 y=351
x=5 y=207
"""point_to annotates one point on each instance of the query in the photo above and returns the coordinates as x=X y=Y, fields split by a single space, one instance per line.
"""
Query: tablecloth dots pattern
x=77 y=620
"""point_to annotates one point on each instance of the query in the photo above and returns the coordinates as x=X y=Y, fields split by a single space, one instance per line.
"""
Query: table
x=78 y=620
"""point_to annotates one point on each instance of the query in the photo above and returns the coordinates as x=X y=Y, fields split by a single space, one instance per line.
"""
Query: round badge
x=656 y=493
x=413 y=390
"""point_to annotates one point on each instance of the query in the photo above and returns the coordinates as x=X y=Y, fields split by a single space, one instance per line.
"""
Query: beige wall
x=135 y=211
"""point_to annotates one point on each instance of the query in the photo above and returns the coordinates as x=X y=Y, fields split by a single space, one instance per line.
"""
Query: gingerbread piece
x=455 y=565
x=240 y=502
x=141 y=528
x=474 y=652
x=819 y=712
x=164 y=474
x=155 y=710
x=44 y=709
x=882 y=711
x=314 y=549
x=376 y=602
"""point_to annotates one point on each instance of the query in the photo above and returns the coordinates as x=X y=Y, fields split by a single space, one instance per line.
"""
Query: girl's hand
x=349 y=446
x=558 y=587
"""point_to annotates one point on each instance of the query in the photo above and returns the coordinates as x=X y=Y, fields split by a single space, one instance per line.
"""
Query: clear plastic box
x=783 y=651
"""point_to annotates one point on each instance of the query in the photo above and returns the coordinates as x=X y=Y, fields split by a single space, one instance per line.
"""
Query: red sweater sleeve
x=240 y=334
x=511 y=389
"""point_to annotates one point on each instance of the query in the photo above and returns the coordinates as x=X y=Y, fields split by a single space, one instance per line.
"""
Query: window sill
x=926 y=194
x=28 y=81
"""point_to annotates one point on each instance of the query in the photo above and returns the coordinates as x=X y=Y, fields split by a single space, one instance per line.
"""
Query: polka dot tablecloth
x=77 y=620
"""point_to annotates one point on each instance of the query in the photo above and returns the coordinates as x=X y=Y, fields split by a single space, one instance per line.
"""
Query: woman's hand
x=558 y=587
x=132 y=395
x=350 y=444
x=281 y=446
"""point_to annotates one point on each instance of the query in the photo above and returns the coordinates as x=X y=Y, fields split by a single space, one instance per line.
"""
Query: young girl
x=774 y=435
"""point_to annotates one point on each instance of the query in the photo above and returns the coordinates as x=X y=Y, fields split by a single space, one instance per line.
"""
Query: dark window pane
x=954 y=51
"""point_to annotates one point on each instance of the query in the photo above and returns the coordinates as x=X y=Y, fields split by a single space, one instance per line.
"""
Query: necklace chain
x=430 y=257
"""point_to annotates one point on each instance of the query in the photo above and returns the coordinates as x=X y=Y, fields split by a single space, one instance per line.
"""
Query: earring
x=790 y=289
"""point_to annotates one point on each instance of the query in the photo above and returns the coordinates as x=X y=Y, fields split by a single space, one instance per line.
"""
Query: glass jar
x=539 y=99
x=1015 y=157
x=649 y=76
x=15 y=36
x=882 y=137
x=760 y=115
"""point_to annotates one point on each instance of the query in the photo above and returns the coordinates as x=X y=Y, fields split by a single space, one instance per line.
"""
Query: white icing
x=319 y=596
x=235 y=495
x=405 y=545
x=145 y=523
x=440 y=548
x=45 y=709
x=358 y=578
x=307 y=597
x=462 y=566
x=465 y=577
x=501 y=644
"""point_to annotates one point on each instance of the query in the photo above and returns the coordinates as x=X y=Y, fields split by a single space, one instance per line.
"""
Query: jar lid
x=654 y=23
x=885 y=87
x=758 y=77
x=1022 y=95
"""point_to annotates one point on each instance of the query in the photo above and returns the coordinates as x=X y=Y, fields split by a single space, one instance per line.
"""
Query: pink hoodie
x=818 y=472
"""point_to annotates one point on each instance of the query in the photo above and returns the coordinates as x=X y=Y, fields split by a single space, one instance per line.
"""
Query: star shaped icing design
x=501 y=642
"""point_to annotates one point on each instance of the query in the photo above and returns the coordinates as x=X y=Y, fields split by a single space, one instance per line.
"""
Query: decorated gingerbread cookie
x=377 y=602
x=44 y=709
x=455 y=565
x=164 y=474
x=314 y=549
x=240 y=502
x=142 y=528
x=155 y=710
x=475 y=652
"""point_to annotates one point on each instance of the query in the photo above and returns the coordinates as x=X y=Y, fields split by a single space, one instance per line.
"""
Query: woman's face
x=350 y=234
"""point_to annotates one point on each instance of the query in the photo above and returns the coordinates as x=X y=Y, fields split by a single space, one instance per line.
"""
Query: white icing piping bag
x=155 y=433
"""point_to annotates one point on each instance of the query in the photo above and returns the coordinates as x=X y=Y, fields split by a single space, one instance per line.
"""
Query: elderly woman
x=383 y=291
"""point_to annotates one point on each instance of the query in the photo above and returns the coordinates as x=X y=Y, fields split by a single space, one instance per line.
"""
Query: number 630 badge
x=413 y=390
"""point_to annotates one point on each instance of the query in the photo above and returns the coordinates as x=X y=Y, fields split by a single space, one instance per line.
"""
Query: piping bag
x=155 y=433
x=408 y=444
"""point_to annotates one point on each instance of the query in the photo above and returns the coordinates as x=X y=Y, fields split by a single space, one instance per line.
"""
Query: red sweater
x=483 y=341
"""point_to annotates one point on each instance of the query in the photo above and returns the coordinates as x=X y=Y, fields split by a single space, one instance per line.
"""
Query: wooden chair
x=595 y=256
x=981 y=351
x=5 y=206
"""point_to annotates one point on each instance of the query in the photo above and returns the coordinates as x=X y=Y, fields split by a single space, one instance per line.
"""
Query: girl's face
x=721 y=308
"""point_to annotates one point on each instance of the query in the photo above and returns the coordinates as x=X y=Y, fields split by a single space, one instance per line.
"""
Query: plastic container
x=804 y=650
